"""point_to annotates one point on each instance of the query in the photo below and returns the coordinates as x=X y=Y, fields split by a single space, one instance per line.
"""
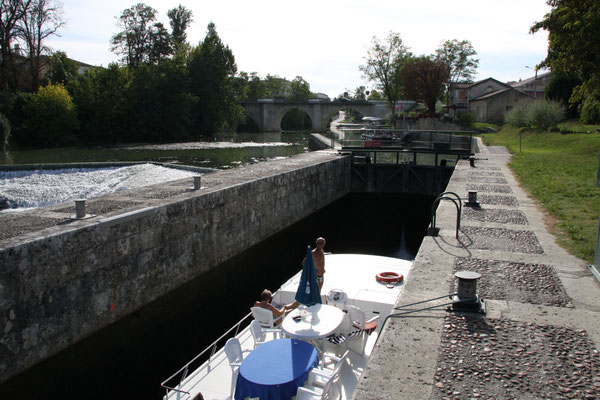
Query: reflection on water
x=221 y=151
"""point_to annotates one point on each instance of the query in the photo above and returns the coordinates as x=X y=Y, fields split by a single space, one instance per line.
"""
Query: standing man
x=319 y=260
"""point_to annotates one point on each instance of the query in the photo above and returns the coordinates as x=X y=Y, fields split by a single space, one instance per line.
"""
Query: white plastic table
x=316 y=322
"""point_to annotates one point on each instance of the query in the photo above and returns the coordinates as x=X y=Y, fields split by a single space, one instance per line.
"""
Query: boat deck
x=352 y=274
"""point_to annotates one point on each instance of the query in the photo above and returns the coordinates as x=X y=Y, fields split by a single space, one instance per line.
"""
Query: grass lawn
x=560 y=171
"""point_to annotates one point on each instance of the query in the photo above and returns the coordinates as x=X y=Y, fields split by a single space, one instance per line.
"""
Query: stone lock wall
x=65 y=282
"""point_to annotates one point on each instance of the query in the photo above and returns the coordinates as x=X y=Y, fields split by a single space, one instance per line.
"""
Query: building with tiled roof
x=488 y=99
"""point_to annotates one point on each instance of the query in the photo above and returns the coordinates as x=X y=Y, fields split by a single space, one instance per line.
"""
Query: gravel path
x=501 y=359
x=488 y=179
x=489 y=188
x=515 y=281
x=500 y=216
x=502 y=240
x=497 y=200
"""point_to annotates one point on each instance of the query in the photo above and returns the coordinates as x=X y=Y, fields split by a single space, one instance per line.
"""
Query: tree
x=159 y=106
x=11 y=13
x=383 y=66
x=50 y=118
x=574 y=44
x=142 y=40
x=299 y=90
x=61 y=69
x=375 y=95
x=458 y=55
x=560 y=88
x=254 y=86
x=101 y=97
x=212 y=71
x=274 y=87
x=180 y=19
x=424 y=79
x=360 y=94
x=43 y=20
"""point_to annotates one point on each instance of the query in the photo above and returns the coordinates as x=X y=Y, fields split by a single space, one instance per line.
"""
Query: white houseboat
x=329 y=344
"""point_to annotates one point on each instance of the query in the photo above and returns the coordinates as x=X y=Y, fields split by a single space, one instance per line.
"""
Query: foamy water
x=39 y=188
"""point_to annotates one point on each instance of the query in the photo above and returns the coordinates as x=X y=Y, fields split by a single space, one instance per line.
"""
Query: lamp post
x=534 y=81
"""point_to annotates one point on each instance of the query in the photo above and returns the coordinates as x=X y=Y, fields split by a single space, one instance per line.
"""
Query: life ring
x=389 y=277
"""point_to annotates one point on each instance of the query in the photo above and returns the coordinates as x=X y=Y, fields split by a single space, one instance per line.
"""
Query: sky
x=326 y=41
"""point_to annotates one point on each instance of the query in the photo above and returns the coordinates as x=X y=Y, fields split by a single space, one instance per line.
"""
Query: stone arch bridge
x=268 y=114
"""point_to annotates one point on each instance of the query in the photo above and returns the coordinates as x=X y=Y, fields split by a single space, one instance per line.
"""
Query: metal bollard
x=467 y=284
x=472 y=199
x=80 y=208
x=197 y=182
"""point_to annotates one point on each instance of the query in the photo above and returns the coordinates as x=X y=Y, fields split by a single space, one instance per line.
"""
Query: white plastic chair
x=323 y=374
x=233 y=350
x=358 y=319
x=365 y=327
x=263 y=316
x=259 y=333
x=314 y=392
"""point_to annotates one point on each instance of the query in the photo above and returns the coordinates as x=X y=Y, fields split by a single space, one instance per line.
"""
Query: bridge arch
x=268 y=114
x=282 y=113
x=296 y=118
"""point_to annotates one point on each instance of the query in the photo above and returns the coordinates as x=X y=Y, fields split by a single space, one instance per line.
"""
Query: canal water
x=221 y=151
x=130 y=358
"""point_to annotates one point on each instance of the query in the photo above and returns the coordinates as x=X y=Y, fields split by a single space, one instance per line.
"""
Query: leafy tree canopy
x=61 y=68
x=383 y=65
x=212 y=71
x=424 y=80
x=375 y=95
x=459 y=56
x=50 y=117
x=142 y=40
x=574 y=43
x=180 y=19
x=299 y=90
x=360 y=94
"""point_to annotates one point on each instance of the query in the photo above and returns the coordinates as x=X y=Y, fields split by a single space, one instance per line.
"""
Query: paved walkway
x=541 y=334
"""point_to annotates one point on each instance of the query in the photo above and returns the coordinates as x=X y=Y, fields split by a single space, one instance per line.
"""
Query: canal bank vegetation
x=560 y=171
x=164 y=89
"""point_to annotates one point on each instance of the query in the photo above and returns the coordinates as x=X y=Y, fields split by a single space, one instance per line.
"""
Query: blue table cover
x=275 y=370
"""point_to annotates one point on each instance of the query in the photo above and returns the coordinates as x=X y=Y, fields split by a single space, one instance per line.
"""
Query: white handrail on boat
x=184 y=370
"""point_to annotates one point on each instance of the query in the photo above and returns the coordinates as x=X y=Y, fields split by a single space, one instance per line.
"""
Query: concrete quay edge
x=407 y=356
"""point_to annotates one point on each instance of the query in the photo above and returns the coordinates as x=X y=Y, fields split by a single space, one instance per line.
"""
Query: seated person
x=265 y=302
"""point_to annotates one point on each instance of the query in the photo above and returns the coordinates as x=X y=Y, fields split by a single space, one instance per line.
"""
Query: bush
x=466 y=119
x=590 y=112
x=519 y=115
x=540 y=114
x=546 y=114
x=49 y=118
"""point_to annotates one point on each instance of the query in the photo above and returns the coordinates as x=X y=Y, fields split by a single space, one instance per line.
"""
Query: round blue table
x=275 y=370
